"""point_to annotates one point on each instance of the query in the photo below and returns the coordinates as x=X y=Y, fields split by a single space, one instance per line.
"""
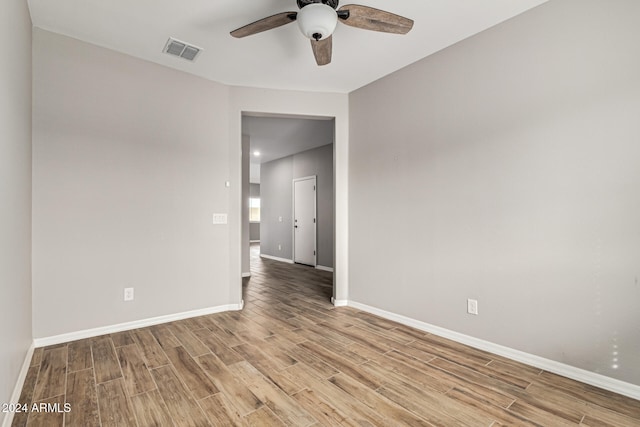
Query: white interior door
x=304 y=220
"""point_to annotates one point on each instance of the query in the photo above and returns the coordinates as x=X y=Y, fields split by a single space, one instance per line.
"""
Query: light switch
x=279 y=219
x=219 y=218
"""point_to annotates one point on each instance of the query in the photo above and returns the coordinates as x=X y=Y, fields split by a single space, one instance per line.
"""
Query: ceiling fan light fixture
x=317 y=21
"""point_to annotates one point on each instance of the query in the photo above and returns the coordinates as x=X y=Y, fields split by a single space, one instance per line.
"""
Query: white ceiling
x=275 y=137
x=280 y=58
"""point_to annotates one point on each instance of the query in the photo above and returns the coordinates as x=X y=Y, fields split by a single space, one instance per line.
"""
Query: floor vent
x=183 y=50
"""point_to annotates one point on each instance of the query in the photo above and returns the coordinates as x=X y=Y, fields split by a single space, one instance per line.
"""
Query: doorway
x=304 y=221
x=280 y=154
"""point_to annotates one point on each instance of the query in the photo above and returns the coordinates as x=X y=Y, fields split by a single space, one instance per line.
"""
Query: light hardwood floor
x=291 y=358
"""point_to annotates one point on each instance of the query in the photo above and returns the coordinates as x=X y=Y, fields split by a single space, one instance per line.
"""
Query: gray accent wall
x=276 y=186
x=506 y=169
x=254 y=231
x=130 y=161
x=319 y=162
x=276 y=208
x=246 y=266
x=15 y=195
x=254 y=190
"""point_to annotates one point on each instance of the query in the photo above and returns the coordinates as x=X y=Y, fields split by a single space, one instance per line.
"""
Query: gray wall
x=15 y=194
x=505 y=169
x=276 y=186
x=129 y=163
x=254 y=227
x=254 y=190
x=254 y=231
x=246 y=144
x=319 y=162
x=275 y=204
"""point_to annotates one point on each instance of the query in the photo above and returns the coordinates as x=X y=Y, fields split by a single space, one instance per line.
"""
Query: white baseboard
x=94 y=332
x=339 y=302
x=15 y=396
x=323 y=268
x=275 y=258
x=246 y=274
x=578 y=374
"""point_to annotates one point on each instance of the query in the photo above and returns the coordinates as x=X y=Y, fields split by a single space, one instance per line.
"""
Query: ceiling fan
x=318 y=18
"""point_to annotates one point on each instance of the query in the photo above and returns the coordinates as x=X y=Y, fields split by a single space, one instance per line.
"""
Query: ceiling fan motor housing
x=317 y=21
x=303 y=3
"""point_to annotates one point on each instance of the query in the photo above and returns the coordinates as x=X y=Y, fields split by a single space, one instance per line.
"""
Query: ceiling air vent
x=183 y=50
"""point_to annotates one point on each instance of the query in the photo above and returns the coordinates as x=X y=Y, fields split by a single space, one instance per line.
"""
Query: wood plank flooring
x=292 y=359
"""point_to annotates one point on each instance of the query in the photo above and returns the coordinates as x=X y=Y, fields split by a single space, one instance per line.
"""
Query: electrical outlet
x=472 y=306
x=279 y=247
x=128 y=294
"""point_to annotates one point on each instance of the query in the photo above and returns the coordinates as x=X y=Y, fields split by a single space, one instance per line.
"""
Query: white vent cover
x=183 y=50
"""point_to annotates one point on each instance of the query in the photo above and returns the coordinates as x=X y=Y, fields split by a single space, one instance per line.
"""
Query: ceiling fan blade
x=322 y=50
x=265 y=24
x=369 y=18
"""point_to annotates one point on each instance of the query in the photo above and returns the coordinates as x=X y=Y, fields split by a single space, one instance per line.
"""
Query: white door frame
x=277 y=103
x=315 y=217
